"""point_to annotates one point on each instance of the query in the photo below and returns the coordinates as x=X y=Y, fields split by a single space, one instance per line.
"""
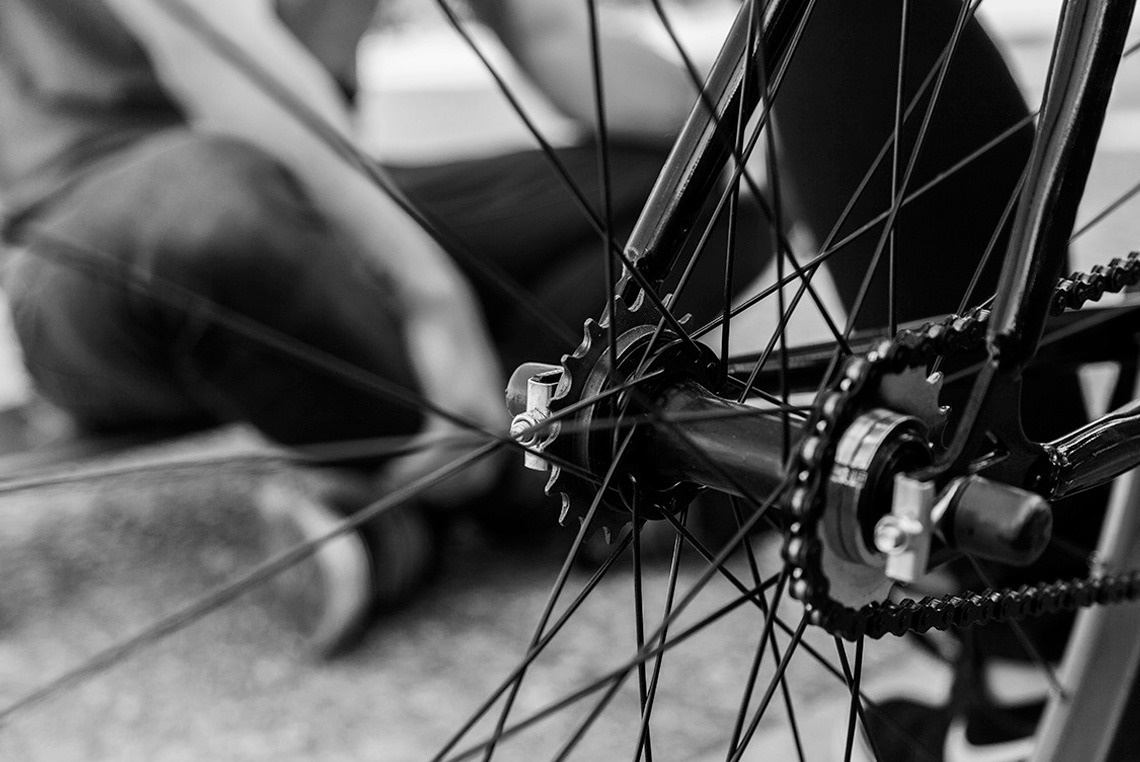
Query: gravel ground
x=81 y=570
x=83 y=566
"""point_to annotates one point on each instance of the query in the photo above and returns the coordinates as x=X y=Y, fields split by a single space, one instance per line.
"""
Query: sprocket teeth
x=555 y=472
x=610 y=526
x=605 y=521
x=912 y=391
x=576 y=495
x=591 y=332
x=564 y=511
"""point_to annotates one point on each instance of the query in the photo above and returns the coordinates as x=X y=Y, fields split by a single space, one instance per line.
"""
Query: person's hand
x=459 y=372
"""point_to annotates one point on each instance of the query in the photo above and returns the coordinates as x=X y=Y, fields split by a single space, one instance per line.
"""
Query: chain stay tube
x=1095 y=453
x=1085 y=59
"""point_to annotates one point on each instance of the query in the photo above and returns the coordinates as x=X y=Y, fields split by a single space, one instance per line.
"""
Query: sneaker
x=331 y=597
x=983 y=723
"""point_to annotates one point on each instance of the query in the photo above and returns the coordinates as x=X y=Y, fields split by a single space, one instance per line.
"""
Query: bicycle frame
x=1085 y=59
x=1087 y=50
x=1086 y=54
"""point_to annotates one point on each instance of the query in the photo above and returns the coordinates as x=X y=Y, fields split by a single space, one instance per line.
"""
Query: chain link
x=813 y=459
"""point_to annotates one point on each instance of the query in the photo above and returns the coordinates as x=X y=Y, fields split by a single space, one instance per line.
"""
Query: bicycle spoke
x=596 y=712
x=857 y=702
x=896 y=204
x=533 y=653
x=715 y=564
x=749 y=550
x=845 y=678
x=619 y=673
x=829 y=246
x=991 y=245
x=754 y=500
x=706 y=554
x=770 y=617
x=778 y=235
x=858 y=675
x=575 y=190
x=793 y=723
x=618 y=430
x=211 y=464
x=754 y=672
x=83 y=259
x=603 y=171
x=616 y=685
x=777 y=336
x=345 y=150
x=793 y=644
x=670 y=592
x=224 y=594
x=1027 y=645
x=1099 y=217
x=639 y=627
x=559 y=585
x=740 y=157
x=787 y=695
x=896 y=149
x=600 y=226
x=734 y=195
x=185 y=466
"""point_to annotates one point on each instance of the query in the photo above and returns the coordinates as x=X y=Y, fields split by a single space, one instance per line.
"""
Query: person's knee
x=241 y=222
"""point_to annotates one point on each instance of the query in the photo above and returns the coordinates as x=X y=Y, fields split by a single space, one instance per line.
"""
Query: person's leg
x=123 y=294
x=206 y=229
x=836 y=110
x=516 y=213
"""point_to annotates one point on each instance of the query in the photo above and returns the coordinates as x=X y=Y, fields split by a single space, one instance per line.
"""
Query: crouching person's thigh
x=183 y=281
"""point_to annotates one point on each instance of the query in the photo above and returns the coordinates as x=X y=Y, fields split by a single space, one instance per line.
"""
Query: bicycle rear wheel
x=731 y=713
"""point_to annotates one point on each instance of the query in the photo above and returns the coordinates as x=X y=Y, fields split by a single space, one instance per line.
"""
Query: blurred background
x=88 y=561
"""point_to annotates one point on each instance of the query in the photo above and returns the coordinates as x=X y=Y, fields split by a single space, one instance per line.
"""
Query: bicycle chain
x=813 y=458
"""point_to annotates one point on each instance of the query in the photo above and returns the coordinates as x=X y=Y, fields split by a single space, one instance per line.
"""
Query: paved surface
x=80 y=570
x=80 y=567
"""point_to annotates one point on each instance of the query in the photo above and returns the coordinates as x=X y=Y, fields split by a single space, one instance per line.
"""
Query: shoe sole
x=333 y=614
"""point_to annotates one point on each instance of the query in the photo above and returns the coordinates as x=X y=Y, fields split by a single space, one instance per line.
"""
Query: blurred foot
x=332 y=596
x=983 y=724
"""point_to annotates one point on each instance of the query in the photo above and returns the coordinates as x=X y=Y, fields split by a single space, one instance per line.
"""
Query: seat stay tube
x=705 y=142
x=1086 y=54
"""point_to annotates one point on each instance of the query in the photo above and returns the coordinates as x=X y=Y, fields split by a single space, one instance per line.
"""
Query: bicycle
x=849 y=456
x=627 y=389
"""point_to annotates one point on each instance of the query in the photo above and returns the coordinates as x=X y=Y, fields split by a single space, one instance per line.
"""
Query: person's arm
x=648 y=91
x=445 y=329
